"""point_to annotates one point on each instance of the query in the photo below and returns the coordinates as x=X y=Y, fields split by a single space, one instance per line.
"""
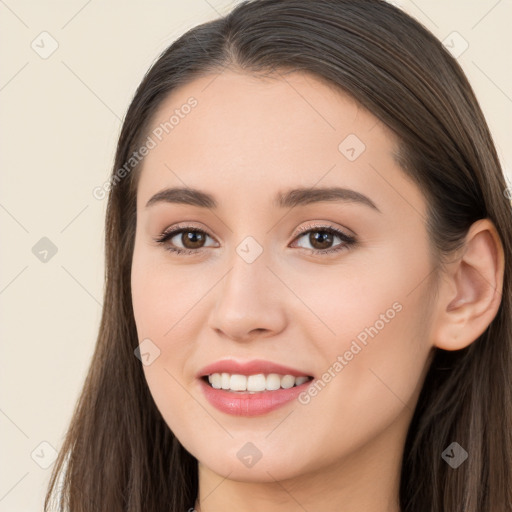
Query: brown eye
x=321 y=239
x=192 y=239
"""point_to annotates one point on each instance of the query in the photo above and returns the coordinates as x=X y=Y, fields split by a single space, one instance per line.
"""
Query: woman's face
x=252 y=296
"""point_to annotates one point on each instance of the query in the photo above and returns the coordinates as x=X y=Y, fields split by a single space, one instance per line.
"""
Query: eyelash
x=347 y=240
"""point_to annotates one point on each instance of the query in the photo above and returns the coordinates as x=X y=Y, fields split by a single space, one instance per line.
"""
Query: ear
x=470 y=293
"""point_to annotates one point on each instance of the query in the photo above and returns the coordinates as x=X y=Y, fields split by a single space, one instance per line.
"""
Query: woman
x=307 y=248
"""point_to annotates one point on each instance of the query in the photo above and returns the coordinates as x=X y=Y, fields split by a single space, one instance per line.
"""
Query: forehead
x=234 y=131
x=243 y=111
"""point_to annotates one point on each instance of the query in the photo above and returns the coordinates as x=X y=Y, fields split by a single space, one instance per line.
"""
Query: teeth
x=225 y=380
x=300 y=380
x=273 y=382
x=254 y=383
x=215 y=380
x=288 y=381
x=238 y=383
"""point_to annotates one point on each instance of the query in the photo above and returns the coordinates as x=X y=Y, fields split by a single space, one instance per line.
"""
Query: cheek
x=367 y=304
x=371 y=380
x=375 y=354
x=164 y=296
x=161 y=312
x=163 y=305
x=166 y=299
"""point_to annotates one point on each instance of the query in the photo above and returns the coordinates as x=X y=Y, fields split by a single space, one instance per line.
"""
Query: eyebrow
x=287 y=199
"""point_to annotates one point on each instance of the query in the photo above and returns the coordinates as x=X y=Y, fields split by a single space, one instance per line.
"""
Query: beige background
x=61 y=118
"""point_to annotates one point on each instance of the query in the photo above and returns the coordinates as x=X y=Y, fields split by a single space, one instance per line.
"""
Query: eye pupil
x=323 y=237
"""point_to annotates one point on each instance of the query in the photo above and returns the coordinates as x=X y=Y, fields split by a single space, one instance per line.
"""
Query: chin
x=247 y=464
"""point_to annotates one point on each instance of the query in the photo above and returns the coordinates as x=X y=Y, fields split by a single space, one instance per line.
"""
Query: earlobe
x=470 y=295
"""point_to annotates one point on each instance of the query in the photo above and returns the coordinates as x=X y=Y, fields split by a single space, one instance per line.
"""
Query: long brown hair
x=119 y=454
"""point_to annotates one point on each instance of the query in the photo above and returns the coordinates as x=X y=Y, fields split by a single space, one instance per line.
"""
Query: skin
x=247 y=139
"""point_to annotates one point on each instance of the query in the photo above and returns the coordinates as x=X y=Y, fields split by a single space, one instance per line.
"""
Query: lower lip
x=247 y=404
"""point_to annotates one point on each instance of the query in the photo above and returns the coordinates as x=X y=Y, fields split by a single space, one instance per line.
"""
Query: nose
x=249 y=301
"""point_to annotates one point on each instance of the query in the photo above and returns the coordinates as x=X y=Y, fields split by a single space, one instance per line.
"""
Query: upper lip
x=252 y=367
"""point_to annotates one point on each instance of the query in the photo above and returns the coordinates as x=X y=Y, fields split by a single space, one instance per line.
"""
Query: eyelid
x=327 y=226
x=180 y=228
x=184 y=227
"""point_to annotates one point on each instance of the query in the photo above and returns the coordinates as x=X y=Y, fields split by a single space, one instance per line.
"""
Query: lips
x=251 y=388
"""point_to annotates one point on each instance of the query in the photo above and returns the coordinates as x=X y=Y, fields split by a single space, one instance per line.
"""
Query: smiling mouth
x=257 y=383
